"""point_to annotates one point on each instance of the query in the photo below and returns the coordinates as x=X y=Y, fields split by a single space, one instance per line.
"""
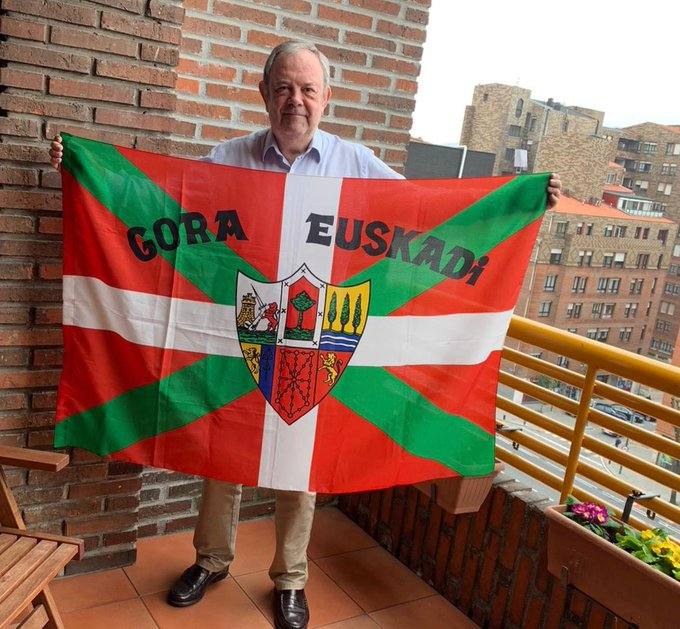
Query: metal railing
x=595 y=358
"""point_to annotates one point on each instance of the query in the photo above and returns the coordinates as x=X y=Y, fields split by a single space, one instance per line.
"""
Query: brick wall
x=492 y=565
x=167 y=76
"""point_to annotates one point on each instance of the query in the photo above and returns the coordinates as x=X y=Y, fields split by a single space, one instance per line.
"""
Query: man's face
x=295 y=97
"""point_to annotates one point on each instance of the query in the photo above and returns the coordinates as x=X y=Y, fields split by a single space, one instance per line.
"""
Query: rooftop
x=618 y=189
x=615 y=166
x=567 y=205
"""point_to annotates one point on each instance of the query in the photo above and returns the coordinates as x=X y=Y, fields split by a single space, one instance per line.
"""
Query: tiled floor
x=353 y=584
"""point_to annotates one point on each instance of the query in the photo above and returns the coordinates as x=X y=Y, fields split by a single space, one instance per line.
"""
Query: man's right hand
x=56 y=152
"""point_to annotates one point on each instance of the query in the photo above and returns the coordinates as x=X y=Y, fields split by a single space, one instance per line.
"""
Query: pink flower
x=590 y=512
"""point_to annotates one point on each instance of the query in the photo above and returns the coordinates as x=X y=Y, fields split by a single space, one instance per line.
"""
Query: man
x=295 y=90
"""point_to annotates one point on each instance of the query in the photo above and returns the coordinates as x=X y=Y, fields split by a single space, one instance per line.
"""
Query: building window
x=601 y=285
x=636 y=285
x=620 y=231
x=676 y=251
x=619 y=260
x=514 y=131
x=645 y=233
x=532 y=124
x=574 y=310
x=563 y=361
x=624 y=334
x=613 y=285
x=674 y=170
x=665 y=188
x=662 y=346
x=608 y=230
x=561 y=228
x=662 y=235
x=589 y=229
x=607 y=260
x=555 y=256
x=659 y=262
x=596 y=311
x=665 y=169
x=642 y=261
x=640 y=186
x=672 y=149
x=579 y=228
x=611 y=178
x=608 y=311
x=550 y=282
x=579 y=284
x=671 y=289
x=585 y=258
x=663 y=326
x=572 y=330
x=519 y=107
x=644 y=167
x=650 y=147
x=630 y=311
x=544 y=309
x=603 y=334
x=510 y=155
x=591 y=333
x=667 y=308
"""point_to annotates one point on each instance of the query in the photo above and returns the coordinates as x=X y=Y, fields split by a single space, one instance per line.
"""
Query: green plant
x=654 y=548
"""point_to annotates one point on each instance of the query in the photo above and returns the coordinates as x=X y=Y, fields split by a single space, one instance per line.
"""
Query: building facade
x=535 y=136
x=598 y=272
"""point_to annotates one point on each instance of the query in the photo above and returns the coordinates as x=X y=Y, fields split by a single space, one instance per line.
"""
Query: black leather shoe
x=290 y=609
x=191 y=585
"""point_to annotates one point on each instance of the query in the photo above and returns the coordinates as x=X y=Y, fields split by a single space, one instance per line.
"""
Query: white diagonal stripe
x=207 y=328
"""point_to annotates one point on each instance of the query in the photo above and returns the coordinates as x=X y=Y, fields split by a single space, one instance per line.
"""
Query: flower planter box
x=460 y=495
x=614 y=578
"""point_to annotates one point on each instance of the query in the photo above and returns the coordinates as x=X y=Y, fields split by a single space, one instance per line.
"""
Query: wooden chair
x=29 y=561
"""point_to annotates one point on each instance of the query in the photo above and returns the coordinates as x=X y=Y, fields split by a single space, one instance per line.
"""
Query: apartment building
x=650 y=156
x=529 y=135
x=599 y=272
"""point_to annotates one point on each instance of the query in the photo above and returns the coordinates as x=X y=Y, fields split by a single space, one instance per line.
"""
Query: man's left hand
x=554 y=190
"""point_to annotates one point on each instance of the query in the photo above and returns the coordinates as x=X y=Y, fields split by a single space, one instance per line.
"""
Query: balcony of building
x=397 y=558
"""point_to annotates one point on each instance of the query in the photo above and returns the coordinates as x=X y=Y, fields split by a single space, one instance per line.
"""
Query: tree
x=356 y=319
x=332 y=310
x=344 y=314
x=301 y=302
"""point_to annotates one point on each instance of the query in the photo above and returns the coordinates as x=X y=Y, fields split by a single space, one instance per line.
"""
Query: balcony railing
x=595 y=358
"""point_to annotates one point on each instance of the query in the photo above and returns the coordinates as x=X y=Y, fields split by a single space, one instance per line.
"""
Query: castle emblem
x=298 y=335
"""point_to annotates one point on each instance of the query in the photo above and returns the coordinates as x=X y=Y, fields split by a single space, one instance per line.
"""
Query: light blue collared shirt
x=327 y=156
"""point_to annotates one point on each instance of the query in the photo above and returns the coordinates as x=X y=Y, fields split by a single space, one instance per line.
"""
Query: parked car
x=605 y=407
x=631 y=416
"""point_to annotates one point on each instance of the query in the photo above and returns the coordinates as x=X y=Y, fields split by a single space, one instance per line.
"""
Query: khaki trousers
x=215 y=534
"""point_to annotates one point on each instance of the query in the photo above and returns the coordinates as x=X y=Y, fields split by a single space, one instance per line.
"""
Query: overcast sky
x=621 y=57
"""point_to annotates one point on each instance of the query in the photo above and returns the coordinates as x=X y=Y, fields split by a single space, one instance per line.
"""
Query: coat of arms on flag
x=296 y=338
x=286 y=331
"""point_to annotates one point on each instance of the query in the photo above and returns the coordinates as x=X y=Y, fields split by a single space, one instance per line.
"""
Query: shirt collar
x=313 y=150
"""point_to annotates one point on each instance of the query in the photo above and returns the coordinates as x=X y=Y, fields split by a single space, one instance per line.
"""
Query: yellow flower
x=656 y=549
x=646 y=535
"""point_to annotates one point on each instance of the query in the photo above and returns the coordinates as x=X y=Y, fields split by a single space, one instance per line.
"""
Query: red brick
x=378 y=6
x=101 y=524
x=180 y=524
x=12 y=314
x=133 y=119
x=83 y=456
x=115 y=539
x=41 y=420
x=46 y=315
x=13 y=402
x=364 y=78
x=520 y=585
x=345 y=94
x=13 y=422
x=211 y=132
x=93 y=91
x=206 y=70
x=395 y=103
x=158 y=511
x=172 y=147
x=460 y=543
x=112 y=137
x=399 y=30
x=498 y=608
x=404 y=85
x=23 y=29
x=310 y=29
x=167 y=55
x=145 y=29
x=417 y=16
x=16 y=224
x=342 y=130
x=165 y=11
x=265 y=40
x=245 y=14
x=93 y=40
x=597 y=618
x=33 y=55
x=24 y=153
x=229 y=93
x=350 y=18
x=211 y=28
x=122 y=503
x=188 y=86
x=468 y=583
x=369 y=41
x=556 y=605
x=400 y=122
x=203 y=110
x=486 y=575
x=50 y=178
x=40 y=438
x=17 y=177
x=14 y=271
x=134 y=6
x=30 y=200
x=152 y=99
x=414 y=52
x=44 y=399
x=107 y=488
x=240 y=55
x=15 y=440
x=135 y=72
x=292 y=6
x=11 y=77
x=191 y=45
x=14 y=357
x=393 y=156
x=577 y=604
x=343 y=55
x=254 y=117
x=24 y=379
x=51 y=271
x=534 y=614
x=199 y=5
x=54 y=10
x=41 y=107
x=513 y=533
